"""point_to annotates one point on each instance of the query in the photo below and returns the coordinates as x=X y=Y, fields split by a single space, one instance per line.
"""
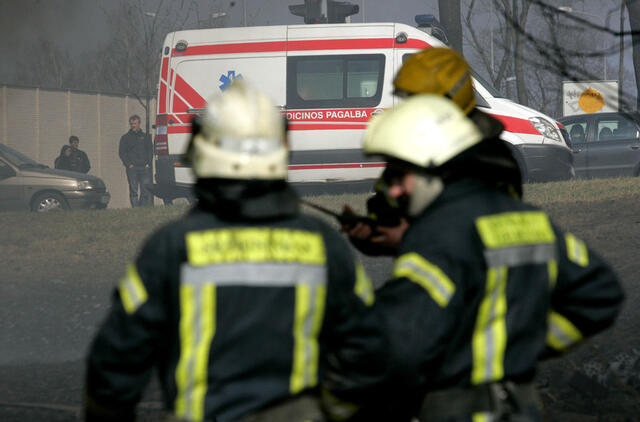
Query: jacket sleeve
x=85 y=164
x=125 y=349
x=123 y=151
x=586 y=299
x=356 y=348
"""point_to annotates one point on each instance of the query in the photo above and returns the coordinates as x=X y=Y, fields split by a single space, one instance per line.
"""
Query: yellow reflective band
x=552 y=269
x=309 y=312
x=187 y=310
x=490 y=335
x=254 y=245
x=515 y=229
x=429 y=276
x=197 y=328
x=561 y=333
x=132 y=291
x=364 y=287
x=576 y=250
x=481 y=417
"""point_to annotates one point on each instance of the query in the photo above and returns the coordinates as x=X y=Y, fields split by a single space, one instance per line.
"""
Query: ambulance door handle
x=575 y=151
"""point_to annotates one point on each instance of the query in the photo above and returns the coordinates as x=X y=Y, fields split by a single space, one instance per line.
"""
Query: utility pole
x=244 y=12
x=621 y=59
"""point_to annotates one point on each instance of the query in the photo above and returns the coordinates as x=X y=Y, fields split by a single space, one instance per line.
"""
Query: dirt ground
x=600 y=381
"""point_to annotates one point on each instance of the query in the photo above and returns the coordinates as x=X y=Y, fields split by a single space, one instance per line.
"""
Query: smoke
x=73 y=25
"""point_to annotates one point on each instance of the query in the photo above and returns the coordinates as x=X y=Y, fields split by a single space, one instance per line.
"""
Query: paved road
x=45 y=330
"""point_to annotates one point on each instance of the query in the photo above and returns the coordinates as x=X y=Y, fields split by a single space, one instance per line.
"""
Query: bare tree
x=449 y=11
x=538 y=42
x=633 y=6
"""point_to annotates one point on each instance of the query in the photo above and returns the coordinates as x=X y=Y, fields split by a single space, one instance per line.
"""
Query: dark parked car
x=28 y=185
x=605 y=144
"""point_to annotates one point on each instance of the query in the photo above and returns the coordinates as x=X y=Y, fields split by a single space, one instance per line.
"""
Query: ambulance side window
x=335 y=81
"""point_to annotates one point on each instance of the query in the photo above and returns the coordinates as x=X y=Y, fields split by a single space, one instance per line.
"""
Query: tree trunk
x=449 y=11
x=521 y=18
x=633 y=6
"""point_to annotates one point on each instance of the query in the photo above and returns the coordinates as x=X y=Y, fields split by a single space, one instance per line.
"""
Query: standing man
x=484 y=285
x=244 y=305
x=78 y=160
x=136 y=153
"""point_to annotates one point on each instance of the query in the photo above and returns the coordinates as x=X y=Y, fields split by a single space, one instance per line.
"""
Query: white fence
x=37 y=122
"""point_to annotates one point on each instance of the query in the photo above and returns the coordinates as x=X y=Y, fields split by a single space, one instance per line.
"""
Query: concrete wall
x=37 y=122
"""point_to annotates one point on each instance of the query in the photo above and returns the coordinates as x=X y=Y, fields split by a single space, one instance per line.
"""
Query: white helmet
x=426 y=130
x=241 y=136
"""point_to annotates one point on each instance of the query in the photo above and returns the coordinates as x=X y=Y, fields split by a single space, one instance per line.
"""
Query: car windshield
x=18 y=159
x=486 y=85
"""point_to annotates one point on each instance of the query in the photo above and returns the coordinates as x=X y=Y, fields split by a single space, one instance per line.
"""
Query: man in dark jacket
x=136 y=153
x=78 y=160
x=484 y=285
x=244 y=306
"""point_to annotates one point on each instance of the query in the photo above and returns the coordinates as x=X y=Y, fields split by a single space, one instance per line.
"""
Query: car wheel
x=48 y=201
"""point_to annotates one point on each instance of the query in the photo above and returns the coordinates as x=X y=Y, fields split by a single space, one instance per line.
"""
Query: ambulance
x=329 y=80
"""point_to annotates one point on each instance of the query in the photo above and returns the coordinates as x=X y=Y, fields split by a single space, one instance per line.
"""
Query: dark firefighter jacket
x=238 y=306
x=484 y=285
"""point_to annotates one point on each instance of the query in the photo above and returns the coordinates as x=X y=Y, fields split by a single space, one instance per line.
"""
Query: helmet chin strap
x=426 y=190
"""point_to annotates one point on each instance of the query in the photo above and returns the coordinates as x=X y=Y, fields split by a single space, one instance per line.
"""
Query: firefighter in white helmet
x=239 y=303
x=483 y=284
x=444 y=72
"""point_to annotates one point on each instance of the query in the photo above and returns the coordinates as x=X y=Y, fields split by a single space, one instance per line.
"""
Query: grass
x=119 y=228
x=581 y=190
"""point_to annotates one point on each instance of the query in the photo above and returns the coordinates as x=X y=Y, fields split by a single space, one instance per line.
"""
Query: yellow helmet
x=426 y=130
x=240 y=136
x=441 y=71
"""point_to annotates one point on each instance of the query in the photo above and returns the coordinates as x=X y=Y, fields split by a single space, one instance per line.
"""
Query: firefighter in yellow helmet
x=483 y=285
x=440 y=71
x=239 y=304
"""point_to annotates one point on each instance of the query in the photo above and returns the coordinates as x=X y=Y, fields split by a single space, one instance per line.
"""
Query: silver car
x=605 y=144
x=28 y=185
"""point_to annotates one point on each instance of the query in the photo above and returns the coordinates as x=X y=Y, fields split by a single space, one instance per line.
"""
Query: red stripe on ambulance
x=516 y=125
x=190 y=95
x=334 y=166
x=321 y=126
x=299 y=45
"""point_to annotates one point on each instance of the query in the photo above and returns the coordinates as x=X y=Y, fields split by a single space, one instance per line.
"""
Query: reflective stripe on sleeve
x=309 y=312
x=490 y=335
x=561 y=333
x=363 y=287
x=132 y=291
x=197 y=328
x=576 y=250
x=429 y=276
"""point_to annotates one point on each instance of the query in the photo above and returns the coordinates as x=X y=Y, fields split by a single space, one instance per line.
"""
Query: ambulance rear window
x=335 y=81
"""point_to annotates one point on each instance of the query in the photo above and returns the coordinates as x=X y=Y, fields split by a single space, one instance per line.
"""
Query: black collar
x=232 y=199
